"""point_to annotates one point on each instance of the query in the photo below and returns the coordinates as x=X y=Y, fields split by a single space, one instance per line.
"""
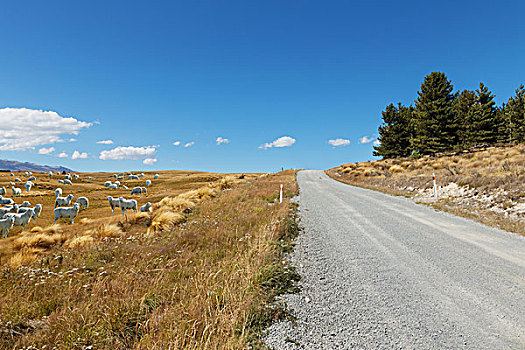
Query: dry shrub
x=38 y=240
x=177 y=204
x=140 y=219
x=80 y=242
x=105 y=230
x=406 y=164
x=347 y=170
x=367 y=172
x=200 y=193
x=226 y=182
x=166 y=221
x=49 y=230
x=396 y=169
x=24 y=256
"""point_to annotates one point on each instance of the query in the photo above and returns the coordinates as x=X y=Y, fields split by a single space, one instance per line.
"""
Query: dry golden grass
x=105 y=231
x=165 y=221
x=204 y=284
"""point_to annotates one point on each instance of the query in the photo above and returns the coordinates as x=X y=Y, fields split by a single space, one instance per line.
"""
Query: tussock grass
x=105 y=231
x=166 y=220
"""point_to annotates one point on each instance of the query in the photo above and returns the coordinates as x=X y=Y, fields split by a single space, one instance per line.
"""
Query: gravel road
x=381 y=272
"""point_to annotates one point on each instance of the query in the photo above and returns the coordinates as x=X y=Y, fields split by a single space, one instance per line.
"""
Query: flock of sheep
x=12 y=214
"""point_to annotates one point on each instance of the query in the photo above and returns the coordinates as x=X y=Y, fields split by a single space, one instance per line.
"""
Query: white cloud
x=130 y=152
x=377 y=143
x=339 y=142
x=72 y=140
x=77 y=155
x=63 y=155
x=285 y=141
x=189 y=144
x=149 y=161
x=176 y=143
x=23 y=128
x=220 y=140
x=44 y=150
x=105 y=142
x=365 y=139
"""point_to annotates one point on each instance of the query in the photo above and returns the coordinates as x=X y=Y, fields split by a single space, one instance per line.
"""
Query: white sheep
x=28 y=186
x=90 y=177
x=113 y=186
x=67 y=177
x=22 y=219
x=107 y=183
x=133 y=177
x=63 y=201
x=6 y=200
x=2 y=191
x=68 y=182
x=16 y=191
x=156 y=177
x=125 y=187
x=67 y=213
x=50 y=174
x=17 y=180
x=8 y=209
x=144 y=190
x=146 y=207
x=127 y=204
x=36 y=211
x=25 y=204
x=141 y=175
x=12 y=174
x=117 y=183
x=75 y=176
x=6 y=225
x=148 y=183
x=60 y=181
x=113 y=203
x=136 y=190
x=58 y=192
x=83 y=201
x=32 y=178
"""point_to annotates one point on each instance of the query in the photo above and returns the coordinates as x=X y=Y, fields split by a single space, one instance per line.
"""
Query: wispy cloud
x=105 y=142
x=150 y=161
x=220 y=140
x=22 y=128
x=63 y=155
x=129 y=152
x=365 y=139
x=176 y=143
x=339 y=142
x=189 y=144
x=77 y=155
x=72 y=140
x=285 y=141
x=44 y=150
x=377 y=143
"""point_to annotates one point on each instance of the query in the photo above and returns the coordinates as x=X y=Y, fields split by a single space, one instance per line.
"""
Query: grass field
x=486 y=184
x=201 y=271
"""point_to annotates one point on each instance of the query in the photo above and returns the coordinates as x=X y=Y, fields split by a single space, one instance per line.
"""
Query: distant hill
x=13 y=165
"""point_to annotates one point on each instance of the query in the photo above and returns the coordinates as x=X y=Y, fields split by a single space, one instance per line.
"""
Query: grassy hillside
x=485 y=184
x=200 y=271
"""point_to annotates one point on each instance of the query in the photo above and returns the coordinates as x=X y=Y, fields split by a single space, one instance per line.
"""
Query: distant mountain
x=13 y=165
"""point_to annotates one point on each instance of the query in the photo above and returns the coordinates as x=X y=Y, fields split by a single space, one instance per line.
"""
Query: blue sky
x=147 y=74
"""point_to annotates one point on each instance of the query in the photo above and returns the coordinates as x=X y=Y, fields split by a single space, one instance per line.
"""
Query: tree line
x=442 y=120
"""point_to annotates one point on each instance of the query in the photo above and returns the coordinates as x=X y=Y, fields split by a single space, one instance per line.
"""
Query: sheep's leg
x=72 y=221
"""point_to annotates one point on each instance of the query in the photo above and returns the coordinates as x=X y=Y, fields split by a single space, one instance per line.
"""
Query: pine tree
x=464 y=105
x=485 y=125
x=394 y=133
x=433 y=122
x=514 y=113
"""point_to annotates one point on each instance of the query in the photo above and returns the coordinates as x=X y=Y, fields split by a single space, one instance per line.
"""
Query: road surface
x=381 y=272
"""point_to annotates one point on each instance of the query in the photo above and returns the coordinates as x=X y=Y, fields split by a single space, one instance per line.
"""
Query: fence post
x=281 y=194
x=435 y=187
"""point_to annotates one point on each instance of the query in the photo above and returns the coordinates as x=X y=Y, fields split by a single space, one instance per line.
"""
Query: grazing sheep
x=68 y=182
x=22 y=219
x=75 y=176
x=67 y=213
x=25 y=204
x=120 y=178
x=90 y=177
x=144 y=190
x=67 y=177
x=117 y=183
x=28 y=186
x=6 y=200
x=58 y=192
x=50 y=174
x=113 y=203
x=17 y=180
x=32 y=178
x=12 y=174
x=146 y=207
x=6 y=225
x=127 y=204
x=107 y=183
x=8 y=209
x=113 y=186
x=83 y=201
x=61 y=181
x=125 y=187
x=36 y=210
x=136 y=190
x=148 y=183
x=63 y=201
x=133 y=177
x=2 y=191
x=141 y=175
x=16 y=191
x=156 y=177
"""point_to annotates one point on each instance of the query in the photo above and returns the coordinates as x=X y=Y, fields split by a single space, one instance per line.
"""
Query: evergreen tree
x=464 y=106
x=485 y=125
x=514 y=113
x=433 y=121
x=394 y=133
